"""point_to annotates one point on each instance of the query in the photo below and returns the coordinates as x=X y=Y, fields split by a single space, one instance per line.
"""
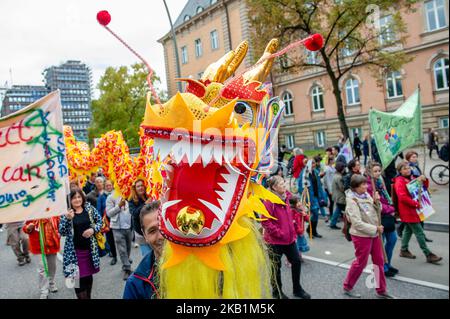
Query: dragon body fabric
x=203 y=154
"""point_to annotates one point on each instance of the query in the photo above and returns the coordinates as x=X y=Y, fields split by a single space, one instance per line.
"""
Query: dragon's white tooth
x=196 y=151
x=207 y=154
x=216 y=210
x=223 y=185
x=163 y=146
x=179 y=149
x=217 y=154
x=168 y=204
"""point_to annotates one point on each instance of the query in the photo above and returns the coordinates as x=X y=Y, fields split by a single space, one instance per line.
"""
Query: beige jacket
x=363 y=214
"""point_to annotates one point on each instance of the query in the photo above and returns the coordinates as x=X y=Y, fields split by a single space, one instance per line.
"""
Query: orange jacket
x=51 y=235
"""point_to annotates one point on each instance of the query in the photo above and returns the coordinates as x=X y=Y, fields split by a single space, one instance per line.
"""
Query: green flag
x=394 y=132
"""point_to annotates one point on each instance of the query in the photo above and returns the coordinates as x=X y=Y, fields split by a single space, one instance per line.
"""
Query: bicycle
x=440 y=174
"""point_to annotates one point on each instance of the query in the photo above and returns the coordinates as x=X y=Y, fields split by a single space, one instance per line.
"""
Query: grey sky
x=38 y=34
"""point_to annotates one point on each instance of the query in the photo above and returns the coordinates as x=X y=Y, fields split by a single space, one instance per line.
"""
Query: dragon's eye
x=243 y=113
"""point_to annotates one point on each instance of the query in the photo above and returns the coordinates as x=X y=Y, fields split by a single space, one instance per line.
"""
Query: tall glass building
x=19 y=96
x=73 y=79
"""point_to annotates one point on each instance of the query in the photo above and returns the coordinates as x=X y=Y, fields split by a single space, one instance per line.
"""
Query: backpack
x=443 y=153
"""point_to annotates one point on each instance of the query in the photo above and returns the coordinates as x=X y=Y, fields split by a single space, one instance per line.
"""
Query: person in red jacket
x=300 y=216
x=51 y=240
x=280 y=235
x=299 y=162
x=407 y=208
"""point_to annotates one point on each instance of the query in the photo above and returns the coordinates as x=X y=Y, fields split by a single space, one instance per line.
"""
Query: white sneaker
x=136 y=245
x=43 y=296
x=351 y=294
x=1 y=230
x=53 y=288
x=385 y=295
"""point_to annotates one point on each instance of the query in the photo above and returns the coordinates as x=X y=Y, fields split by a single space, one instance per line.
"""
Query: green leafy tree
x=121 y=104
x=352 y=36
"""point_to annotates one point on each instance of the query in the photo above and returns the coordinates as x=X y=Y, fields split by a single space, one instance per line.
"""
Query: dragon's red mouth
x=205 y=186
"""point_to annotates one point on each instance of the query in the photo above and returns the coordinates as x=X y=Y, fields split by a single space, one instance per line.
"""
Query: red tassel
x=103 y=17
x=314 y=43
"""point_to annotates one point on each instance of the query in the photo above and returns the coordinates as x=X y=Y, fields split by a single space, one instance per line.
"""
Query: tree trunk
x=337 y=94
x=340 y=108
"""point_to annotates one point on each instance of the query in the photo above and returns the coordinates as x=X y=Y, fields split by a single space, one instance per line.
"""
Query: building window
x=198 y=48
x=443 y=122
x=387 y=35
x=213 y=2
x=394 y=85
x=214 y=40
x=184 y=55
x=346 y=50
x=317 y=98
x=352 y=91
x=199 y=9
x=311 y=57
x=435 y=14
x=320 y=139
x=290 y=142
x=187 y=17
x=287 y=99
x=441 y=74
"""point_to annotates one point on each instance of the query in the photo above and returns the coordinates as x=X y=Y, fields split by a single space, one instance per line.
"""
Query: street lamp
x=175 y=46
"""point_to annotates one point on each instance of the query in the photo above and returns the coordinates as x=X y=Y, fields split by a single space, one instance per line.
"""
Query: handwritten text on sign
x=33 y=168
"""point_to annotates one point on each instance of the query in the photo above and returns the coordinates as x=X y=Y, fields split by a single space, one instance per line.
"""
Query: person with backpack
x=365 y=231
x=407 y=208
x=387 y=214
x=309 y=179
x=338 y=192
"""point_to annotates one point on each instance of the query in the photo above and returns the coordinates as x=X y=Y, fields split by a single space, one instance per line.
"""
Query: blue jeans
x=323 y=212
x=302 y=244
x=315 y=215
x=339 y=208
x=145 y=249
x=389 y=243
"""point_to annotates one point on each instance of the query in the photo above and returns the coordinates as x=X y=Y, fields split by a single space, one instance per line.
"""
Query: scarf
x=381 y=188
x=415 y=170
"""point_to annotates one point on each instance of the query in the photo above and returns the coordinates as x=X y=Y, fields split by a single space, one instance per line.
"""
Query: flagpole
x=372 y=181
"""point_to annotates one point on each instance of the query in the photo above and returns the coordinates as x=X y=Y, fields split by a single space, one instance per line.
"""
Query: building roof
x=190 y=10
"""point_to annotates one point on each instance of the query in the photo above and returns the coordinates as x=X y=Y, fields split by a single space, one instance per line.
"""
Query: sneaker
x=433 y=259
x=428 y=240
x=317 y=236
x=351 y=294
x=334 y=227
x=126 y=274
x=281 y=296
x=130 y=260
x=113 y=261
x=394 y=270
x=385 y=295
x=52 y=288
x=43 y=296
x=302 y=294
x=22 y=262
x=407 y=254
x=389 y=273
x=27 y=259
x=135 y=245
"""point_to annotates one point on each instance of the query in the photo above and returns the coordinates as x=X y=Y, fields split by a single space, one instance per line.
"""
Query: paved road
x=321 y=280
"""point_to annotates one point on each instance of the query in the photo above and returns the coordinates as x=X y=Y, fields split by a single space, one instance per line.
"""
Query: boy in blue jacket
x=143 y=283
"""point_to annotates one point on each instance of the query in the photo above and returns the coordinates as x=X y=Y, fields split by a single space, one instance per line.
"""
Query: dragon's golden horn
x=222 y=69
x=261 y=72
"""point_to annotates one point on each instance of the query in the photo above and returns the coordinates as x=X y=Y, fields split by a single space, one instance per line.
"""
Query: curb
x=436 y=226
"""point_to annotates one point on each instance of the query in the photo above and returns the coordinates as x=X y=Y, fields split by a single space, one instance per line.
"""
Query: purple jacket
x=386 y=208
x=280 y=231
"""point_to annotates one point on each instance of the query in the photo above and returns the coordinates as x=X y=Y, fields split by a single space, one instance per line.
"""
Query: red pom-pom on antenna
x=103 y=17
x=314 y=42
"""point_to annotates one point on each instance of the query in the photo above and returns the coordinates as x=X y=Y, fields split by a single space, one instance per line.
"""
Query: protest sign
x=426 y=210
